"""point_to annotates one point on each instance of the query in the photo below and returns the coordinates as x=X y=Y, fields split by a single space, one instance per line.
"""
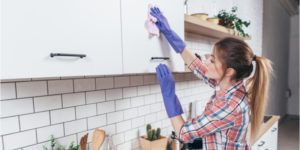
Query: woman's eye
x=212 y=61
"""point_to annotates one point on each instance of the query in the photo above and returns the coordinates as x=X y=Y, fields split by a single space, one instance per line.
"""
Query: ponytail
x=258 y=86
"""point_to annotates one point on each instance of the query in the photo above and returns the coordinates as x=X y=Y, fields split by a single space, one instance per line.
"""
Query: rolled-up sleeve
x=218 y=116
x=198 y=68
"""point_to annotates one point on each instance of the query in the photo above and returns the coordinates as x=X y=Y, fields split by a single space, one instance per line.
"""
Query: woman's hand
x=162 y=22
x=175 y=41
x=167 y=86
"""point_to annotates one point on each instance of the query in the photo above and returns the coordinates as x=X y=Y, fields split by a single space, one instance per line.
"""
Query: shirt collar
x=231 y=89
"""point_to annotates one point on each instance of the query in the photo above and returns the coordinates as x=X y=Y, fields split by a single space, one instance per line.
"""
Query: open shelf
x=196 y=25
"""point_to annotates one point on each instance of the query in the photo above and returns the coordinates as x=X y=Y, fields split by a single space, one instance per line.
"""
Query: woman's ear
x=230 y=72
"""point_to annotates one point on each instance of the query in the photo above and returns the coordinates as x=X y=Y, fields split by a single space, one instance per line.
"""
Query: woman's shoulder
x=237 y=99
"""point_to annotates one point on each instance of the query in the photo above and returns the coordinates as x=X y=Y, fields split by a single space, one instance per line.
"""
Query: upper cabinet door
x=32 y=29
x=138 y=46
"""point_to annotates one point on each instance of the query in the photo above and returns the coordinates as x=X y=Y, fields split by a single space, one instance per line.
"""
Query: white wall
x=247 y=10
x=276 y=24
x=293 y=83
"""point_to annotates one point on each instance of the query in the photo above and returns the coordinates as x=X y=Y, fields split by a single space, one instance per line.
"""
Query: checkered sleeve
x=218 y=116
x=199 y=70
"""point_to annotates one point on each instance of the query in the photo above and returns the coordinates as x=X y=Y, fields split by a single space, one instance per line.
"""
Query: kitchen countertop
x=263 y=129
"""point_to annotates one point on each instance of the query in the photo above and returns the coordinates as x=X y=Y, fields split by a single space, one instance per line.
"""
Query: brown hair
x=236 y=54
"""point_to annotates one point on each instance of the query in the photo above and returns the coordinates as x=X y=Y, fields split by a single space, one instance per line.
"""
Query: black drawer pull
x=163 y=58
x=274 y=130
x=262 y=143
x=64 y=54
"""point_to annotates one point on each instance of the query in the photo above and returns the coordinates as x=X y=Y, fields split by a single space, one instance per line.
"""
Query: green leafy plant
x=230 y=20
x=60 y=147
x=152 y=134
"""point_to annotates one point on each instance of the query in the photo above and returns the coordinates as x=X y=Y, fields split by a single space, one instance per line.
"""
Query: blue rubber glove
x=167 y=86
x=162 y=24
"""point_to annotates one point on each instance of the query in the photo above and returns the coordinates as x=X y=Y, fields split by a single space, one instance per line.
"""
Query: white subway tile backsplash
x=1 y=144
x=86 y=111
x=135 y=144
x=44 y=134
x=137 y=122
x=28 y=89
x=96 y=121
x=166 y=122
x=131 y=134
x=8 y=91
x=143 y=110
x=155 y=107
x=95 y=96
x=156 y=125
x=62 y=115
x=121 y=82
x=104 y=83
x=16 y=107
x=137 y=101
x=136 y=80
x=84 y=84
x=142 y=130
x=129 y=92
x=162 y=114
x=106 y=107
x=9 y=125
x=73 y=99
x=118 y=138
x=122 y=104
x=155 y=89
x=109 y=129
x=130 y=113
x=34 y=120
x=159 y=97
x=143 y=90
x=75 y=126
x=18 y=140
x=38 y=146
x=47 y=103
x=113 y=94
x=124 y=146
x=150 y=99
x=60 y=86
x=114 y=117
x=150 y=118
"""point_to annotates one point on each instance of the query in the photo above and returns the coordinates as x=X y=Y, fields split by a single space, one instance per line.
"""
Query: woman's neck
x=225 y=83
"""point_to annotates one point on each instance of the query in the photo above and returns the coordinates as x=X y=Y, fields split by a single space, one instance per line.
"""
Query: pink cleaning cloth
x=150 y=23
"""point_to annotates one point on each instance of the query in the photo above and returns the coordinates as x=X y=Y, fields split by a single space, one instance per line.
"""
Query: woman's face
x=213 y=65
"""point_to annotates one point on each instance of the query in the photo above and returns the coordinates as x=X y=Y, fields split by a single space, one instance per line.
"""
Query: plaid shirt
x=223 y=124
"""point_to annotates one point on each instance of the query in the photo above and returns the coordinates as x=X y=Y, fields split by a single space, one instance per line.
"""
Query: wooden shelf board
x=196 y=25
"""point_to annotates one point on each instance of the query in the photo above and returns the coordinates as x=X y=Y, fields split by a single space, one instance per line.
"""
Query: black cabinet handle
x=274 y=130
x=163 y=58
x=65 y=54
x=262 y=143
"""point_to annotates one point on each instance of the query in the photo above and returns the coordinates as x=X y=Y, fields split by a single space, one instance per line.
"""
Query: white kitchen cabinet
x=274 y=136
x=32 y=29
x=139 y=47
x=269 y=140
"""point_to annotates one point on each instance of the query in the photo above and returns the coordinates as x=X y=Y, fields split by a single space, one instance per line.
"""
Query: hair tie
x=254 y=58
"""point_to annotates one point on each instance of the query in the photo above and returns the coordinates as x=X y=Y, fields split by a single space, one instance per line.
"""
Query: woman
x=224 y=122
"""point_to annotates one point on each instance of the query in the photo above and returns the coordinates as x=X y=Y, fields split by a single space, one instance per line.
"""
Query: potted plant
x=60 y=147
x=153 y=140
x=231 y=21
